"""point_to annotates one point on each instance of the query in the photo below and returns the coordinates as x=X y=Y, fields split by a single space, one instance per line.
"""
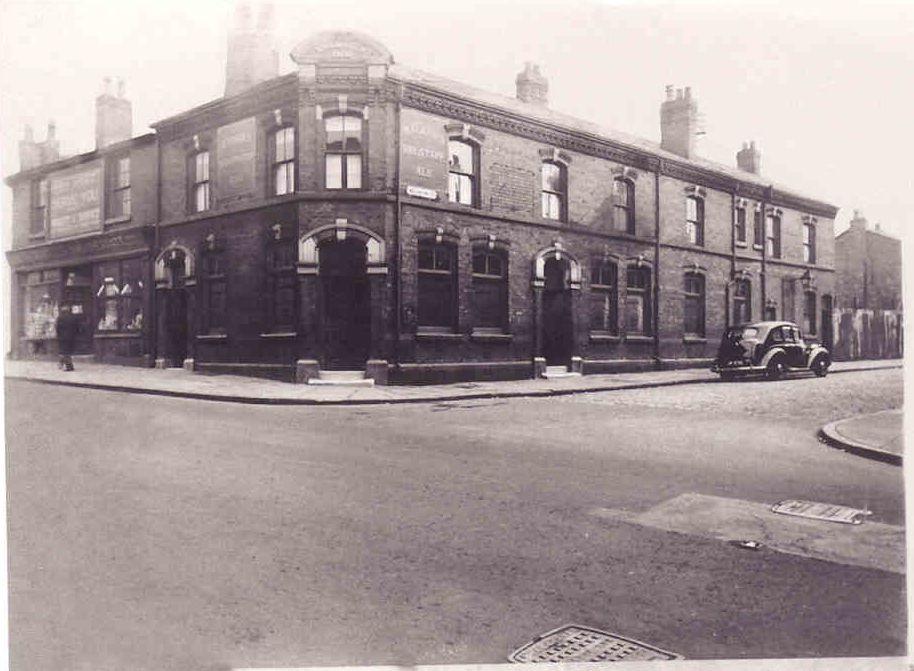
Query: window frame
x=560 y=196
x=605 y=290
x=344 y=154
x=773 y=236
x=290 y=162
x=118 y=203
x=473 y=177
x=211 y=261
x=197 y=184
x=39 y=211
x=626 y=210
x=758 y=229
x=696 y=225
x=809 y=243
x=124 y=303
x=477 y=280
x=740 y=228
x=698 y=297
x=281 y=277
x=642 y=292
x=742 y=303
x=450 y=249
x=810 y=307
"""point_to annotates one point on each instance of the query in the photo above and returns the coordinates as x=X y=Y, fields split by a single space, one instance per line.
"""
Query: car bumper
x=737 y=368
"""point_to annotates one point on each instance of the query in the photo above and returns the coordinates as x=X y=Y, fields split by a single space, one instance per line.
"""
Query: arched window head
x=343 y=157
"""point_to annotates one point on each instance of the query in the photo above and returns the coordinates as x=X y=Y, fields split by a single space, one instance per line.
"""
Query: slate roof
x=456 y=89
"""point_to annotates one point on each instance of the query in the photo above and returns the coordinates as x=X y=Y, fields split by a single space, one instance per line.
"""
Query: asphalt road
x=157 y=533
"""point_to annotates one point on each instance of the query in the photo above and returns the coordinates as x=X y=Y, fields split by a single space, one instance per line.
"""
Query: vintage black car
x=771 y=349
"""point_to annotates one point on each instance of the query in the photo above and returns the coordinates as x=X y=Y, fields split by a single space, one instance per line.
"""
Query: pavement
x=879 y=435
x=239 y=389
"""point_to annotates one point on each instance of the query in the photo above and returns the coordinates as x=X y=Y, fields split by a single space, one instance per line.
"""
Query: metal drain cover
x=574 y=643
x=820 y=511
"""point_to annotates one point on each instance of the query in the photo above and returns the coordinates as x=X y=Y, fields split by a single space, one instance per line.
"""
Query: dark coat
x=67 y=331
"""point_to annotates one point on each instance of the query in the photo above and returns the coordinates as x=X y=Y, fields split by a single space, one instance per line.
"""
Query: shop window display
x=41 y=304
x=119 y=296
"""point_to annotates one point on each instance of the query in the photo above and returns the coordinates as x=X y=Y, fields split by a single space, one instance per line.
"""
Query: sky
x=823 y=89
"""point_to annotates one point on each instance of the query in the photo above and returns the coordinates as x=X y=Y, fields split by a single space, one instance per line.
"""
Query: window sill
x=438 y=335
x=698 y=340
x=112 y=221
x=279 y=335
x=739 y=243
x=598 y=336
x=103 y=335
x=757 y=247
x=639 y=338
x=490 y=336
x=36 y=236
x=213 y=337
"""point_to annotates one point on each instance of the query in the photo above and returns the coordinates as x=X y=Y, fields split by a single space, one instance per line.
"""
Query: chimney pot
x=688 y=92
x=52 y=129
x=669 y=91
x=28 y=133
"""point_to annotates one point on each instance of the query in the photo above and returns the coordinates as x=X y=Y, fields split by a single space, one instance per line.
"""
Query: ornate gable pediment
x=339 y=46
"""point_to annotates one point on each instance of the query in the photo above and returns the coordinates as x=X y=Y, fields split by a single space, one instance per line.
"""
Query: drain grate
x=574 y=643
x=820 y=511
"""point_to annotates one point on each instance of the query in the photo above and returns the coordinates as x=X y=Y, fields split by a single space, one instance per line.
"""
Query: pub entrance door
x=174 y=309
x=557 y=326
x=346 y=305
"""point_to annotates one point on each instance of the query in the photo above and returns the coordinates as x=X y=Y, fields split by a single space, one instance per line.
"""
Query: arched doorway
x=558 y=332
x=173 y=274
x=345 y=303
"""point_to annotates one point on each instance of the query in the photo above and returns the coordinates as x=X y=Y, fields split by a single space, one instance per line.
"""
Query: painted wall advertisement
x=423 y=155
x=76 y=201
x=236 y=161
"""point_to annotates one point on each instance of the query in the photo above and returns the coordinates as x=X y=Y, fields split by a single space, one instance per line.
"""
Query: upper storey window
x=200 y=196
x=809 y=243
x=283 y=172
x=119 y=187
x=343 y=158
x=624 y=205
x=39 y=219
x=462 y=166
x=695 y=220
x=739 y=226
x=773 y=236
x=554 y=191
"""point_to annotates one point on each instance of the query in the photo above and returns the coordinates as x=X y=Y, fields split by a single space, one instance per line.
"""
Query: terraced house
x=359 y=214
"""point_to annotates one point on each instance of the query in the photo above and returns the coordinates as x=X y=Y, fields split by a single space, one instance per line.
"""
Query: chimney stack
x=252 y=57
x=532 y=86
x=33 y=154
x=50 y=148
x=113 y=115
x=858 y=221
x=679 y=123
x=749 y=158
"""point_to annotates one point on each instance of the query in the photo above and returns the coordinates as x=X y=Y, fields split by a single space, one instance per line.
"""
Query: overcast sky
x=824 y=90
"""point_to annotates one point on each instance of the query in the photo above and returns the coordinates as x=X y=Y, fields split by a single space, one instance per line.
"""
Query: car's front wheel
x=776 y=369
x=820 y=365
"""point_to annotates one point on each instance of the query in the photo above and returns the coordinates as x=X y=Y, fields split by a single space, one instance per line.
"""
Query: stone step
x=557 y=372
x=342 y=378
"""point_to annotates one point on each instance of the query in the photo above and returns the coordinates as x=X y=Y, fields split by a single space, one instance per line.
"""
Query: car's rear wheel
x=820 y=365
x=776 y=369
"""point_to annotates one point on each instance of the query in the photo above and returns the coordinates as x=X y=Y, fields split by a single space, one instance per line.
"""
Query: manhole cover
x=820 y=511
x=573 y=643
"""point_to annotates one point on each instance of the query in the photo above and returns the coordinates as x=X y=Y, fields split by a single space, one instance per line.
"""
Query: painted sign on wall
x=423 y=153
x=76 y=201
x=236 y=161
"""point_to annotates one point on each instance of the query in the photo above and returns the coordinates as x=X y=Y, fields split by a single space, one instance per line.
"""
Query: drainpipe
x=398 y=209
x=153 y=323
x=728 y=287
x=763 y=279
x=655 y=285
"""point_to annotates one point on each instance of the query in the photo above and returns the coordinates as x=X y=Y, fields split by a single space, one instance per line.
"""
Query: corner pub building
x=361 y=215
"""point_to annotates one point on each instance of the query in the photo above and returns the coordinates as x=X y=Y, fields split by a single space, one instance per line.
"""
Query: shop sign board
x=236 y=161
x=75 y=201
x=423 y=154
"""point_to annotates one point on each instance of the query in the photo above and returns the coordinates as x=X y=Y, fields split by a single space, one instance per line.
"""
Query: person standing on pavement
x=67 y=330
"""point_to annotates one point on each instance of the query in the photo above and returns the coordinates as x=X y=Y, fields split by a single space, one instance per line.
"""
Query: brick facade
x=406 y=120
